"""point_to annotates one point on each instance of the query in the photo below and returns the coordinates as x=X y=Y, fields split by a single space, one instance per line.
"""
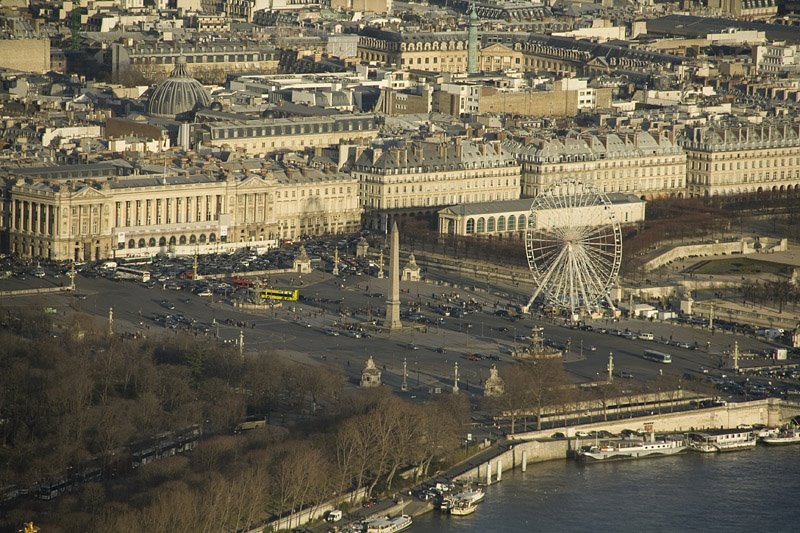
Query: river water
x=754 y=490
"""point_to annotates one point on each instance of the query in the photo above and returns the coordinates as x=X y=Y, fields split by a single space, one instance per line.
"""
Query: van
x=109 y=265
x=646 y=336
x=334 y=516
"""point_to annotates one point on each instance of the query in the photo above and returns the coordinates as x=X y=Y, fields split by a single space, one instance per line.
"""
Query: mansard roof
x=591 y=147
x=734 y=135
x=435 y=156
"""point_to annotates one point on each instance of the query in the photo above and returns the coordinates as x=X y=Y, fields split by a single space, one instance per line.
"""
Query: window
x=512 y=223
x=481 y=225
x=490 y=225
x=521 y=224
x=501 y=224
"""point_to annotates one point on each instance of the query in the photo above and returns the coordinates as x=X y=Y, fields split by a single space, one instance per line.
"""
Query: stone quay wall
x=537 y=447
x=742 y=247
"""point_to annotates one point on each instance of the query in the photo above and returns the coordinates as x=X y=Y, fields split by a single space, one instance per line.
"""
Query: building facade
x=637 y=164
x=271 y=135
x=136 y=215
x=510 y=219
x=524 y=51
x=739 y=158
x=206 y=60
x=421 y=176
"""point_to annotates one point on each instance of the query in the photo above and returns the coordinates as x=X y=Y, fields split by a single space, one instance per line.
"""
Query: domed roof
x=177 y=94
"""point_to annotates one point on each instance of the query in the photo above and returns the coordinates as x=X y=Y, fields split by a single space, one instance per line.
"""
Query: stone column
x=393 y=303
x=524 y=460
x=499 y=469
x=34 y=227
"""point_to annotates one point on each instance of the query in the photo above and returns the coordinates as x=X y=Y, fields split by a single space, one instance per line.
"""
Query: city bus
x=128 y=261
x=125 y=272
x=658 y=357
x=290 y=295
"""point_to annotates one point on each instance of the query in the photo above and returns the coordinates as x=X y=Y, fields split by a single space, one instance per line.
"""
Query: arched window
x=152 y=241
x=212 y=237
x=470 y=225
x=162 y=241
x=131 y=243
x=512 y=223
x=141 y=243
x=521 y=223
x=120 y=246
x=501 y=224
x=202 y=237
x=172 y=241
x=182 y=239
x=490 y=225
x=481 y=225
x=192 y=239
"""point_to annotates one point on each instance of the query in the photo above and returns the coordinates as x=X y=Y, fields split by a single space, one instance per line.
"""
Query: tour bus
x=125 y=272
x=658 y=357
x=290 y=295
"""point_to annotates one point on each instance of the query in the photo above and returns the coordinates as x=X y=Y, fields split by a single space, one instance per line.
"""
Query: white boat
x=632 y=449
x=472 y=496
x=388 y=525
x=722 y=440
x=784 y=436
x=768 y=432
x=463 y=508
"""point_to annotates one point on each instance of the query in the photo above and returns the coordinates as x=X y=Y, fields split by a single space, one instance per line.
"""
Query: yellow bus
x=290 y=295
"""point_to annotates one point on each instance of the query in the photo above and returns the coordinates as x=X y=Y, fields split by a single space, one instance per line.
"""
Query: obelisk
x=393 y=303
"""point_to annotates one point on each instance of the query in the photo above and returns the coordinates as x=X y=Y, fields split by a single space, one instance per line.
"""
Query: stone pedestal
x=361 y=247
x=411 y=270
x=302 y=263
x=370 y=376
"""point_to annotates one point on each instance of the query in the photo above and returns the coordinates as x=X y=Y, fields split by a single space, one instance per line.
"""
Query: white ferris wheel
x=574 y=246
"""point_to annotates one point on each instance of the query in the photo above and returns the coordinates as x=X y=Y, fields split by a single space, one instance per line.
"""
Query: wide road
x=301 y=330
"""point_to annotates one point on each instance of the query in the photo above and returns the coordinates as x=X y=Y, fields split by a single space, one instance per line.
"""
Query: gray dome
x=177 y=94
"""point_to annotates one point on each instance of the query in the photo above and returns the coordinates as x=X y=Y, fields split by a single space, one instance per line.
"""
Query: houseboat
x=722 y=440
x=614 y=450
x=388 y=525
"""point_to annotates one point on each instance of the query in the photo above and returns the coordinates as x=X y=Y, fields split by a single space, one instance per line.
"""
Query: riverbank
x=745 y=491
x=520 y=450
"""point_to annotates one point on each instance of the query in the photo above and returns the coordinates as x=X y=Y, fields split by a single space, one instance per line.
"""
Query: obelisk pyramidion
x=393 y=303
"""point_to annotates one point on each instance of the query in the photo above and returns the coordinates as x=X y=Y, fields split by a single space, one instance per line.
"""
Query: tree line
x=72 y=394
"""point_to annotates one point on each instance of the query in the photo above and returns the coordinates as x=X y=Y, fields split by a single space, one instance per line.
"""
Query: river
x=755 y=490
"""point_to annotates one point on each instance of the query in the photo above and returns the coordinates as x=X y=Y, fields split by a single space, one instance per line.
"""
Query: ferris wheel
x=574 y=246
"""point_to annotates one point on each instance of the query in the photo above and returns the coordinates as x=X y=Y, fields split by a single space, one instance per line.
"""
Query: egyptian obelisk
x=393 y=303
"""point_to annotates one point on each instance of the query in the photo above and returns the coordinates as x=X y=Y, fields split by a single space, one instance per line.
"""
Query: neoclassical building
x=510 y=219
x=497 y=50
x=421 y=176
x=91 y=219
x=639 y=163
x=277 y=134
x=737 y=158
x=436 y=51
x=209 y=58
